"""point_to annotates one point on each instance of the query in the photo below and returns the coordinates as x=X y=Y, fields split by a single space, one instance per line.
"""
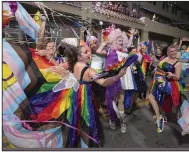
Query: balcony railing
x=116 y=11
x=71 y=3
x=167 y=21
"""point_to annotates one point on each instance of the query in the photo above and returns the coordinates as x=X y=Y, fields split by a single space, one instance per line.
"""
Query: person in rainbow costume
x=37 y=119
x=166 y=90
x=71 y=100
x=116 y=42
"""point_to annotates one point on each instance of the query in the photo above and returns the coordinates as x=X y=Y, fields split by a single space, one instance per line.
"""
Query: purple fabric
x=112 y=91
x=128 y=98
x=13 y=6
x=130 y=60
x=111 y=58
x=59 y=60
x=42 y=100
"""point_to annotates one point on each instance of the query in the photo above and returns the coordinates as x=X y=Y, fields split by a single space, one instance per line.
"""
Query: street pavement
x=141 y=130
x=141 y=133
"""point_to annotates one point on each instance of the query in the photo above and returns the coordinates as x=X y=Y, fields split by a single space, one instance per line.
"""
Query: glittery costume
x=163 y=87
x=114 y=59
x=113 y=90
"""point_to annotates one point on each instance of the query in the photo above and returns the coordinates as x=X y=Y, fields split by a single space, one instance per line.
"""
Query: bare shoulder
x=79 y=66
x=165 y=59
x=91 y=73
x=179 y=65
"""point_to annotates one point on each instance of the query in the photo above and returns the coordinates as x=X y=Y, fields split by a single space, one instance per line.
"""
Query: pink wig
x=115 y=34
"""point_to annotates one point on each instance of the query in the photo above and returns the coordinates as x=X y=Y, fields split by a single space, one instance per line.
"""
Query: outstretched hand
x=132 y=31
x=41 y=52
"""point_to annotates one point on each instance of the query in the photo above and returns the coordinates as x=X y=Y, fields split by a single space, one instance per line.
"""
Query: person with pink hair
x=115 y=39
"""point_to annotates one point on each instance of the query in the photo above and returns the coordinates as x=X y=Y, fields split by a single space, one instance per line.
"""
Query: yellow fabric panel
x=37 y=18
x=12 y=146
x=50 y=76
x=65 y=104
x=7 y=72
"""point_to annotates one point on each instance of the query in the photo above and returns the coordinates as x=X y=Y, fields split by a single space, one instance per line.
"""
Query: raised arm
x=41 y=33
x=153 y=48
x=51 y=59
x=101 y=50
x=132 y=31
x=138 y=43
x=179 y=47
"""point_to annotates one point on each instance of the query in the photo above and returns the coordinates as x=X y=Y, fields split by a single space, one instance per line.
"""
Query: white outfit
x=97 y=62
x=127 y=81
x=140 y=57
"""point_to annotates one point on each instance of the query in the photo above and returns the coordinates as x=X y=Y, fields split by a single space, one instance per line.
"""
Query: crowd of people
x=80 y=106
x=117 y=93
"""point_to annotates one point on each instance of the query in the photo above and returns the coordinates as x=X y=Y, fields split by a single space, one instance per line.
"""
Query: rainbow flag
x=43 y=64
x=24 y=67
x=13 y=93
x=22 y=79
x=44 y=103
x=145 y=63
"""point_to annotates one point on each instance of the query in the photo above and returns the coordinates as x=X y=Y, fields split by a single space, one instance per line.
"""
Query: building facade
x=140 y=15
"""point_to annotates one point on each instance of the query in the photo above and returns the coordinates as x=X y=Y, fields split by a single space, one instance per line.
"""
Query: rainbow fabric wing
x=68 y=80
x=144 y=65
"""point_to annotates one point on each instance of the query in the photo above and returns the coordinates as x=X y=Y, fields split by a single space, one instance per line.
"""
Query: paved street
x=141 y=133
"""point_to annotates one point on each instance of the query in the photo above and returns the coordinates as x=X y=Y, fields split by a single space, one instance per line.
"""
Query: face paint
x=119 y=43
